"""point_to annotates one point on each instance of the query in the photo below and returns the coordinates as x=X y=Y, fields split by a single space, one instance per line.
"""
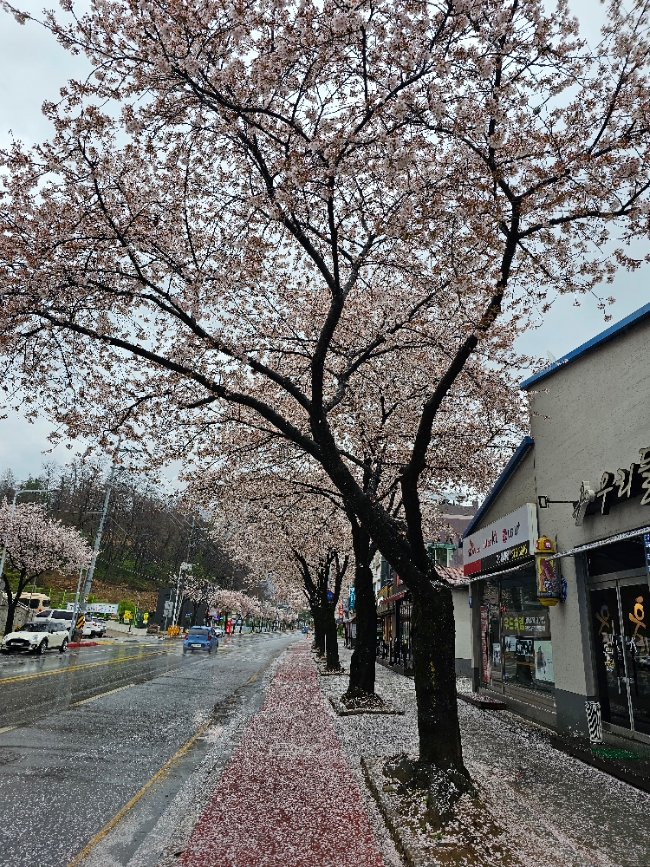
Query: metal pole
x=98 y=540
x=73 y=625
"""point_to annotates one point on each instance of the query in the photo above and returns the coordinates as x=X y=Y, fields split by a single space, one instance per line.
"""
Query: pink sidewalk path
x=288 y=796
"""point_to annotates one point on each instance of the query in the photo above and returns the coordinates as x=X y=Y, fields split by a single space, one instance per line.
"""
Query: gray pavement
x=36 y=686
x=105 y=721
x=554 y=810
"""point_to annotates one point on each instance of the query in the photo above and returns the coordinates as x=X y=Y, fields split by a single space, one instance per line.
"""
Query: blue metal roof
x=526 y=444
x=605 y=336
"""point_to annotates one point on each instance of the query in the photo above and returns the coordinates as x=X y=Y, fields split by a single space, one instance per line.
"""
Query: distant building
x=394 y=604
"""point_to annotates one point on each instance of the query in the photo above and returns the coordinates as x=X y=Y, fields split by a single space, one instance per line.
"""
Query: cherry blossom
x=36 y=544
x=263 y=217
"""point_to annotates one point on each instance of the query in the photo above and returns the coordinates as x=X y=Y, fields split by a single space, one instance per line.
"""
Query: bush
x=125 y=605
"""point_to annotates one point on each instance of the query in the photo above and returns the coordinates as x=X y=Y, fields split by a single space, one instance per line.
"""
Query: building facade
x=394 y=606
x=581 y=484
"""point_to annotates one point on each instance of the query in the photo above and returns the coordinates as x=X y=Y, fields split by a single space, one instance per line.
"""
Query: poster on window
x=485 y=629
x=496 y=655
x=524 y=647
x=544 y=661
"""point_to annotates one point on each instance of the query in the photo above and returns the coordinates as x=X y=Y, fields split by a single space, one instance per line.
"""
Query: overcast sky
x=33 y=68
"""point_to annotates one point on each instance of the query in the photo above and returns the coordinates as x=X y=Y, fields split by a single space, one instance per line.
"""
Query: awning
x=619 y=537
x=400 y=595
x=483 y=576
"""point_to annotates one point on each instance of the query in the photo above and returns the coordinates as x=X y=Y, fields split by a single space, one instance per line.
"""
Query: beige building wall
x=519 y=489
x=463 y=622
x=590 y=417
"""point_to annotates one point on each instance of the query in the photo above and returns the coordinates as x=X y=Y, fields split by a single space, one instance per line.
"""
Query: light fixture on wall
x=545 y=502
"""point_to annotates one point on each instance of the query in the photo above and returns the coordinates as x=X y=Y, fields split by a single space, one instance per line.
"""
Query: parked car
x=37 y=637
x=93 y=627
x=200 y=638
x=54 y=614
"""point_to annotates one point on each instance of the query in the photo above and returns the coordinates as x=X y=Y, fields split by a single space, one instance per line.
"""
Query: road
x=82 y=733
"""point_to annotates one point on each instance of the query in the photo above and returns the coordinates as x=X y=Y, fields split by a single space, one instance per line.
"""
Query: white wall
x=462 y=619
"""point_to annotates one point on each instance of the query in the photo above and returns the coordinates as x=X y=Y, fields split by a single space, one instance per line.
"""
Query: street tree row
x=251 y=215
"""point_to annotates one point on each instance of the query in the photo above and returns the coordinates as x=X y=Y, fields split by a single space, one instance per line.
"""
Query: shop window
x=619 y=557
x=527 y=648
x=516 y=639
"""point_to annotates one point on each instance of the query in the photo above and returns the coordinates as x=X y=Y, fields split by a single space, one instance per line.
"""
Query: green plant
x=125 y=605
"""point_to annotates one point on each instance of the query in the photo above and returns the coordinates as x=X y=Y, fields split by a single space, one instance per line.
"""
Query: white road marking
x=7 y=729
x=101 y=695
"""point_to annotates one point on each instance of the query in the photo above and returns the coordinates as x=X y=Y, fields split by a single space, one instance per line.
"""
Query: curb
x=388 y=817
x=481 y=701
x=83 y=643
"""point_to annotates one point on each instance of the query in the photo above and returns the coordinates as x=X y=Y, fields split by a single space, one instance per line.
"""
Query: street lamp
x=11 y=517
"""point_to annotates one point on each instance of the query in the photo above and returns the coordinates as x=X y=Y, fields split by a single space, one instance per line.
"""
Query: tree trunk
x=433 y=636
x=362 y=664
x=11 y=613
x=319 y=631
x=331 y=638
x=12 y=601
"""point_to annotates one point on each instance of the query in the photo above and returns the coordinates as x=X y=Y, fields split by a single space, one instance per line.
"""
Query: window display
x=516 y=633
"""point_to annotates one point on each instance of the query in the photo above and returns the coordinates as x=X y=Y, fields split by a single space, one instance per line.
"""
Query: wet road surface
x=81 y=733
x=35 y=686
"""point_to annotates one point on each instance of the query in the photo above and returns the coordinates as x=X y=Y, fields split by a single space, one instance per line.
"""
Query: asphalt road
x=81 y=733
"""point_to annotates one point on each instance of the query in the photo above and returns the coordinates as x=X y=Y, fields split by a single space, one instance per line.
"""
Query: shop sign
x=549 y=587
x=616 y=489
x=526 y=624
x=502 y=543
x=97 y=607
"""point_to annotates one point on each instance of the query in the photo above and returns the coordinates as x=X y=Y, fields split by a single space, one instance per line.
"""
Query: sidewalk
x=288 y=797
x=294 y=793
x=556 y=810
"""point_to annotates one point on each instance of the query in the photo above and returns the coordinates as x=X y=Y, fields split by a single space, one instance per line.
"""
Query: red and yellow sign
x=548 y=579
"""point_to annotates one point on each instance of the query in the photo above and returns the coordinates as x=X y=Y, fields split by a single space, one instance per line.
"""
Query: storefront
x=516 y=648
x=394 y=619
x=619 y=604
x=555 y=656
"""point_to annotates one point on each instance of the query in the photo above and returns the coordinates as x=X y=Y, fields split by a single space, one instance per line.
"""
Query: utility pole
x=178 y=604
x=81 y=612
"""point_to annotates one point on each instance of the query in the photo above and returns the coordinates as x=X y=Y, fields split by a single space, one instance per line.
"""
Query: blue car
x=200 y=638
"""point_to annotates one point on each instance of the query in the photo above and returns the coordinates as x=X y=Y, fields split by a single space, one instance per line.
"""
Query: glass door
x=622 y=656
x=635 y=608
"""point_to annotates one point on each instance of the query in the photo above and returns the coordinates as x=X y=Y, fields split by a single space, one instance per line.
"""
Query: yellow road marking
x=7 y=729
x=259 y=671
x=19 y=677
x=134 y=800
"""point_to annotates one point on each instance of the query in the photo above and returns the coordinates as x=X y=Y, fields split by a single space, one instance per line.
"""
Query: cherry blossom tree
x=35 y=545
x=294 y=195
x=288 y=535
